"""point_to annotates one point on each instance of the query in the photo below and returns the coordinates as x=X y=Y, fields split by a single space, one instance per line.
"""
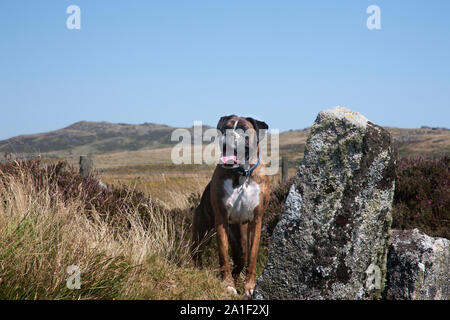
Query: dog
x=234 y=201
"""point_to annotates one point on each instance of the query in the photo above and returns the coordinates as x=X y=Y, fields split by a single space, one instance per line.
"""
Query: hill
x=90 y=137
x=138 y=142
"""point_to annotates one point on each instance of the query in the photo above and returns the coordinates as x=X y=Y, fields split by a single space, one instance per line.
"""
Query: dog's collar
x=246 y=172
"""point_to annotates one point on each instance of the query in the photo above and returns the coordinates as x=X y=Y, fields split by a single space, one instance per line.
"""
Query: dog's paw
x=232 y=290
x=249 y=293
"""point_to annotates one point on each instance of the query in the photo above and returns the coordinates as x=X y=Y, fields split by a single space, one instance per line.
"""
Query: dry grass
x=42 y=235
x=414 y=142
x=171 y=185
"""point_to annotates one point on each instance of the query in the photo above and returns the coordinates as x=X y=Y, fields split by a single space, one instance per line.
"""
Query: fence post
x=86 y=164
x=284 y=170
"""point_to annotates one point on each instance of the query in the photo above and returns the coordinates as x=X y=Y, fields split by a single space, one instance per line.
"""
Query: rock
x=86 y=164
x=102 y=185
x=331 y=241
x=417 y=267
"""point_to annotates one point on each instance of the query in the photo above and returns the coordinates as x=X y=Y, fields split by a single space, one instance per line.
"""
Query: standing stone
x=86 y=164
x=284 y=170
x=331 y=241
x=418 y=267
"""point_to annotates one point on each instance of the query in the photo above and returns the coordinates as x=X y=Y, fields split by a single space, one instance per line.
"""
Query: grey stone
x=86 y=164
x=417 y=267
x=331 y=241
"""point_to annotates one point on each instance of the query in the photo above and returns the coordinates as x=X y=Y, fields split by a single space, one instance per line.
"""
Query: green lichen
x=441 y=264
x=323 y=124
x=418 y=284
x=381 y=254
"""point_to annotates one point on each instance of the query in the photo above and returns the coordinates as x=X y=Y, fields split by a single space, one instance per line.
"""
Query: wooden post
x=86 y=164
x=284 y=170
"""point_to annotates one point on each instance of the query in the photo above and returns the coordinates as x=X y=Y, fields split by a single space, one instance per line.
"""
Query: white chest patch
x=242 y=200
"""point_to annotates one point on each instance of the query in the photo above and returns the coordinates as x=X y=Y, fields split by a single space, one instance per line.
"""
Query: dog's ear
x=259 y=125
x=223 y=120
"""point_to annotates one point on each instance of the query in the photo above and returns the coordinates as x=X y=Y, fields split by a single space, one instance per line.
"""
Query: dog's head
x=240 y=139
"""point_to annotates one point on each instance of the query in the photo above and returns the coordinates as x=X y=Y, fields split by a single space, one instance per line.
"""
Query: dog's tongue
x=227 y=159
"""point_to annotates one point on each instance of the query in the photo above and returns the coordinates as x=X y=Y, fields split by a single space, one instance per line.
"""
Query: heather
x=65 y=184
x=278 y=195
x=422 y=195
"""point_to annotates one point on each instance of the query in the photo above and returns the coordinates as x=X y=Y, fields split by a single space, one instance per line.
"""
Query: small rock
x=418 y=267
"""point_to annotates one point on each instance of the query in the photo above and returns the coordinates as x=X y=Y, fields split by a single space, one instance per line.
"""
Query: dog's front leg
x=224 y=261
x=254 y=234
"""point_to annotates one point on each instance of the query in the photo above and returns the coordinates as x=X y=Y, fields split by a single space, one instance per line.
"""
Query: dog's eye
x=224 y=129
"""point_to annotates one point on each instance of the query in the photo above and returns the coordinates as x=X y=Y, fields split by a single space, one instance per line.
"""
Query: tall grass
x=43 y=231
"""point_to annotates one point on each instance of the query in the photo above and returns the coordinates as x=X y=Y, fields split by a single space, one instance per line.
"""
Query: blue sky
x=174 y=62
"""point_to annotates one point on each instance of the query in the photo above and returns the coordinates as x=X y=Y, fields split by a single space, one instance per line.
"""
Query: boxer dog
x=234 y=202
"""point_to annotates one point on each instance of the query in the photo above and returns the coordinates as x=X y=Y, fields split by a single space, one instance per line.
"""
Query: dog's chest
x=240 y=200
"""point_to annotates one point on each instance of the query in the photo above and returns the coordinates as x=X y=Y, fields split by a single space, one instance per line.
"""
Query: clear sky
x=174 y=62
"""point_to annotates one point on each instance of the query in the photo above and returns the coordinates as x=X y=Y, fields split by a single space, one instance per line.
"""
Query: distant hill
x=103 y=137
x=90 y=137
x=407 y=142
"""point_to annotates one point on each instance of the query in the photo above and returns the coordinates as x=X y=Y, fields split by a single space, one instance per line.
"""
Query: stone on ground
x=418 y=267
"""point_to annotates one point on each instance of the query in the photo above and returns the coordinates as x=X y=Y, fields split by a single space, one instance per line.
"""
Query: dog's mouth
x=235 y=151
x=229 y=161
x=233 y=160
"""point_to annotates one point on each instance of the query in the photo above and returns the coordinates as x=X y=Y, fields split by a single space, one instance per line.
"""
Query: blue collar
x=247 y=172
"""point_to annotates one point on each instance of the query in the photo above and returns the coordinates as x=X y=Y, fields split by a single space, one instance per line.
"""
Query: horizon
x=176 y=63
x=208 y=125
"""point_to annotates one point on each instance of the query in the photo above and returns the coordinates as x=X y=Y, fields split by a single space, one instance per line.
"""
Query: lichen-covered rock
x=331 y=241
x=418 y=267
